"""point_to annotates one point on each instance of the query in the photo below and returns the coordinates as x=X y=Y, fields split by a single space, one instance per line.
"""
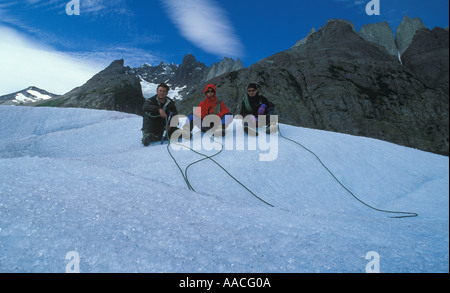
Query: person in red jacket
x=210 y=106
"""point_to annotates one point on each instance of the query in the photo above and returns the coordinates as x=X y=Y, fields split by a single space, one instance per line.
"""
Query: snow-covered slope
x=80 y=180
x=29 y=95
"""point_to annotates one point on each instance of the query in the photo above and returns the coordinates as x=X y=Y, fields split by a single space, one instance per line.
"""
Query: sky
x=59 y=44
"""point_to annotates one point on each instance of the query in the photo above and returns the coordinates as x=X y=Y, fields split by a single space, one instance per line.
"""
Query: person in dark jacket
x=255 y=105
x=156 y=113
x=210 y=106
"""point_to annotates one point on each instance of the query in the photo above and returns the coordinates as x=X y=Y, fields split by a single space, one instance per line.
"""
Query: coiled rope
x=404 y=214
x=206 y=157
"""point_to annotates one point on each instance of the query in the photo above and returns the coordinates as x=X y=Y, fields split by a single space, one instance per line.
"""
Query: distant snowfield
x=77 y=180
x=149 y=90
x=30 y=97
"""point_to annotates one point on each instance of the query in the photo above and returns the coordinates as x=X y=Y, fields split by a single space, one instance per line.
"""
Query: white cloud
x=206 y=25
x=27 y=62
x=133 y=57
x=103 y=7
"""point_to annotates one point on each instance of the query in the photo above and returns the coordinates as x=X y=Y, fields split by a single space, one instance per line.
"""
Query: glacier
x=79 y=180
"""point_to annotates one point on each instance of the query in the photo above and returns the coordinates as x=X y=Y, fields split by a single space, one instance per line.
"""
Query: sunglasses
x=210 y=92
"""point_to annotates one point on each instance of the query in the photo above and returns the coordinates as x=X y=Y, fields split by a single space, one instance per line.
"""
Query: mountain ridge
x=334 y=79
x=29 y=95
x=337 y=81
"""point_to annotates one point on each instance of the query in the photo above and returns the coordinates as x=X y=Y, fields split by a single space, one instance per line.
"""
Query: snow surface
x=36 y=96
x=80 y=180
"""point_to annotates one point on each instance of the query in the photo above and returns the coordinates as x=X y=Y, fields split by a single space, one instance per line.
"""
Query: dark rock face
x=110 y=89
x=190 y=71
x=338 y=81
x=381 y=34
x=405 y=32
x=118 y=88
x=427 y=58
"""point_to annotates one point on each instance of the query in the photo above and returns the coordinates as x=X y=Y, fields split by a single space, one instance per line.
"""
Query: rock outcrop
x=224 y=66
x=405 y=32
x=427 y=58
x=110 y=89
x=305 y=39
x=380 y=33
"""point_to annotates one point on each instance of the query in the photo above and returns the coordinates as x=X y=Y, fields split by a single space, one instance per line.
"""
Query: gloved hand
x=262 y=109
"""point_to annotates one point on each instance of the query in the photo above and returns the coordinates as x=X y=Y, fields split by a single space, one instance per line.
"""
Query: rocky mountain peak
x=29 y=95
x=428 y=57
x=405 y=32
x=116 y=66
x=337 y=80
x=189 y=70
x=305 y=39
x=339 y=22
x=224 y=66
x=189 y=74
x=189 y=60
x=381 y=34
x=335 y=30
x=111 y=89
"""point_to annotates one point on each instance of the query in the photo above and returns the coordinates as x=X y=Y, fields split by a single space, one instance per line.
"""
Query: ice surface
x=80 y=180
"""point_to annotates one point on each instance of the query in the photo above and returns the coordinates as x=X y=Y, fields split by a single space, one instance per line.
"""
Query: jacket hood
x=210 y=86
x=213 y=98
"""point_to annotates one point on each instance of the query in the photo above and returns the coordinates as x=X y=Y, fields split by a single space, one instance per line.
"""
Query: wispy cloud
x=27 y=62
x=134 y=57
x=105 y=7
x=6 y=16
x=87 y=7
x=351 y=3
x=206 y=25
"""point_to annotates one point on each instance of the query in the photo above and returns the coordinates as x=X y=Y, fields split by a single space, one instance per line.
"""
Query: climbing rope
x=206 y=157
x=404 y=214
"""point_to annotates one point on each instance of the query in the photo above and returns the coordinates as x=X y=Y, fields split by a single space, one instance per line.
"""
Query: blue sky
x=43 y=46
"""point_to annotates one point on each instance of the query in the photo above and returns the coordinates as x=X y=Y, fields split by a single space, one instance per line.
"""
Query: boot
x=148 y=137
